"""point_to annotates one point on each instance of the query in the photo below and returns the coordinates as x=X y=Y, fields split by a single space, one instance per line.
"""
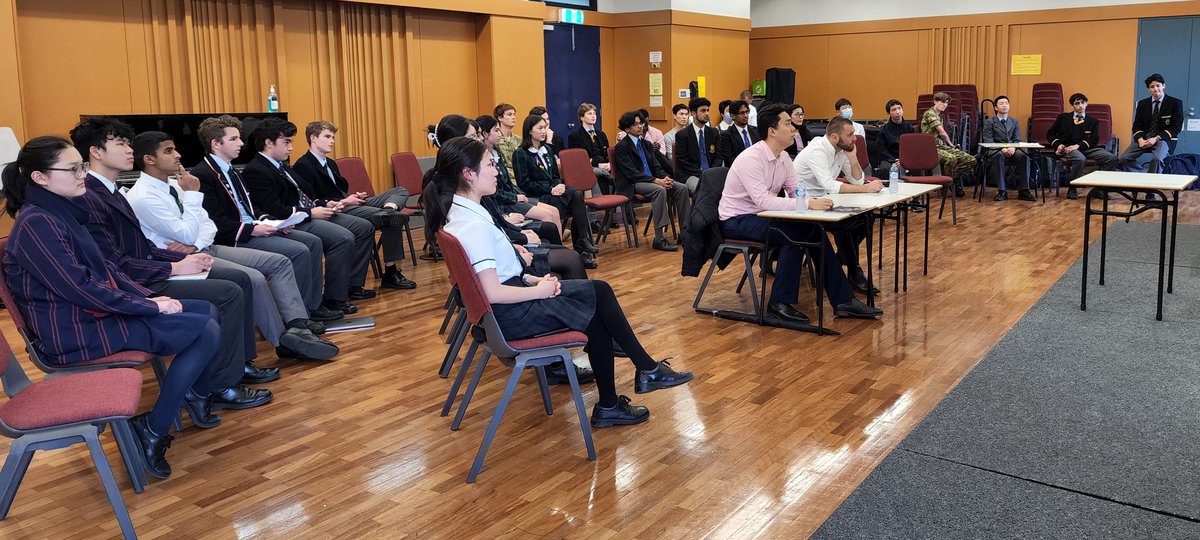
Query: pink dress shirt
x=754 y=181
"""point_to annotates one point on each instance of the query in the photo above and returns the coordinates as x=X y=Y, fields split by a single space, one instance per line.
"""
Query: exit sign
x=570 y=16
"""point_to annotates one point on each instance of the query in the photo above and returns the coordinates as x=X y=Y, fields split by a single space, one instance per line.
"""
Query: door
x=572 y=74
x=1169 y=46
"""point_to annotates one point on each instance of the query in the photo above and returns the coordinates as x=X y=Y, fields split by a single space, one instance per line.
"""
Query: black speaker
x=781 y=85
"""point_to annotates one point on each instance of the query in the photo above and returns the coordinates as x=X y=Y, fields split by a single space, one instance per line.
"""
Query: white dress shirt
x=161 y=220
x=819 y=164
x=753 y=116
x=486 y=245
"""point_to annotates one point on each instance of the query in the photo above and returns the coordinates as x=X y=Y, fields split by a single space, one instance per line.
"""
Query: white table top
x=995 y=145
x=850 y=204
x=1135 y=180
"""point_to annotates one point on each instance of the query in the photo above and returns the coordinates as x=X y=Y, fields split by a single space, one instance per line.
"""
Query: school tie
x=329 y=173
x=703 y=153
x=745 y=138
x=645 y=164
x=175 y=197
x=1078 y=119
x=1154 y=118
x=592 y=134
x=305 y=202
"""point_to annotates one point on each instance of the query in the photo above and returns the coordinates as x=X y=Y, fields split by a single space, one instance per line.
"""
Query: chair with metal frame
x=713 y=180
x=537 y=352
x=577 y=172
x=58 y=412
x=355 y=172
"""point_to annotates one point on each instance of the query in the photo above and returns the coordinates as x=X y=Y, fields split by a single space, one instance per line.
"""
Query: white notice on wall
x=655 y=56
x=656 y=101
x=684 y=93
x=1193 y=124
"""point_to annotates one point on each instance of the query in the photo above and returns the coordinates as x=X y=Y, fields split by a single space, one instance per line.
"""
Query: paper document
x=292 y=220
x=188 y=277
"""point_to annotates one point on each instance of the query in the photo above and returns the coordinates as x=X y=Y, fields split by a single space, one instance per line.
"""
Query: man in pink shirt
x=752 y=186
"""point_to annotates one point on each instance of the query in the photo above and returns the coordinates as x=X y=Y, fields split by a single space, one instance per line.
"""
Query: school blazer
x=533 y=180
x=687 y=153
x=118 y=233
x=317 y=184
x=1170 y=114
x=731 y=142
x=629 y=166
x=597 y=151
x=273 y=194
x=1065 y=132
x=220 y=205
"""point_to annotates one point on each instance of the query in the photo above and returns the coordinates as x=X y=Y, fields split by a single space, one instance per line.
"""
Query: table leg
x=1162 y=252
x=1174 y=221
x=1103 y=231
x=906 y=214
x=870 y=267
x=1087 y=227
x=928 y=210
x=819 y=260
x=881 y=220
x=896 y=261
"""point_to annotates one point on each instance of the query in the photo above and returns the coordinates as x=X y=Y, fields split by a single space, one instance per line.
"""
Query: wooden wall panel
x=11 y=100
x=503 y=44
x=444 y=70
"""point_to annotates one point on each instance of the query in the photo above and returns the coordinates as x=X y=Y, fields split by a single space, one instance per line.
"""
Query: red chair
x=577 y=172
x=406 y=173
x=918 y=152
x=537 y=352
x=355 y=172
x=61 y=411
x=864 y=161
x=120 y=359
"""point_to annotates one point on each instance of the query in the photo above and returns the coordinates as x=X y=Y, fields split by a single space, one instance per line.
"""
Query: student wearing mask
x=726 y=116
x=845 y=109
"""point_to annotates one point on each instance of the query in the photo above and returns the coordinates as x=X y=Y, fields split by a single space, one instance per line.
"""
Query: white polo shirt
x=486 y=245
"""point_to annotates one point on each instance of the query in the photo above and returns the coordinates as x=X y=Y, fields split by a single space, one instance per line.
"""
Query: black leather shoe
x=240 y=397
x=359 y=293
x=323 y=314
x=858 y=282
x=1026 y=195
x=662 y=244
x=288 y=354
x=786 y=312
x=394 y=279
x=857 y=309
x=1072 y=193
x=340 y=305
x=1002 y=196
x=663 y=377
x=305 y=324
x=556 y=373
x=623 y=414
x=589 y=261
x=154 y=447
x=958 y=192
x=586 y=246
x=307 y=344
x=253 y=374
x=200 y=410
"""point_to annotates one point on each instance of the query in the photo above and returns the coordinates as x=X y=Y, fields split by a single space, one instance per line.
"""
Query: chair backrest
x=613 y=169
x=918 y=152
x=860 y=149
x=1050 y=89
x=924 y=102
x=6 y=293
x=1039 y=129
x=479 y=310
x=406 y=172
x=576 y=168
x=1103 y=114
x=355 y=172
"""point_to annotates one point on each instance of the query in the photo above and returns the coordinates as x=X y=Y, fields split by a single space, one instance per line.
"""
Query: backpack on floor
x=1183 y=164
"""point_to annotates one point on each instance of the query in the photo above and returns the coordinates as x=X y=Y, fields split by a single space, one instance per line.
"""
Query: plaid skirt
x=516 y=208
x=572 y=309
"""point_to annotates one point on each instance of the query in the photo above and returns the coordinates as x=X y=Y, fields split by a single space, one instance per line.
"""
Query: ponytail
x=445 y=179
x=39 y=154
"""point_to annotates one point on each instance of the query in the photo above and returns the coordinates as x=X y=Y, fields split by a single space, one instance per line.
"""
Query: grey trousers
x=346 y=241
x=658 y=196
x=275 y=293
x=1104 y=159
x=1129 y=158
x=997 y=160
x=304 y=251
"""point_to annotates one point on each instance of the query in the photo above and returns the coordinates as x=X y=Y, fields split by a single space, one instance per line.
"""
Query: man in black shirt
x=888 y=138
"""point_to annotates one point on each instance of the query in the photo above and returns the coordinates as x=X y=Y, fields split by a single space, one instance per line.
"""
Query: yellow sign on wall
x=656 y=84
x=700 y=87
x=1026 y=64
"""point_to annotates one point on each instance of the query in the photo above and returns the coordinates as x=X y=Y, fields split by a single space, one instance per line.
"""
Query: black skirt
x=572 y=309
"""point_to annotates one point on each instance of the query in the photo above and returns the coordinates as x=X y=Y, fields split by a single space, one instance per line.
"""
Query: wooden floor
x=775 y=431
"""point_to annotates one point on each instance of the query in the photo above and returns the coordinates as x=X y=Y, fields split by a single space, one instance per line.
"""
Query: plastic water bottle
x=272 y=100
x=801 y=199
x=894 y=178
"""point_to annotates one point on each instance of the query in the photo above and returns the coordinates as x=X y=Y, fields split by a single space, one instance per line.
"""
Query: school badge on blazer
x=712 y=148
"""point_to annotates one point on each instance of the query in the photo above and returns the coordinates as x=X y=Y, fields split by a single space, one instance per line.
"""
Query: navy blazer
x=628 y=166
x=272 y=193
x=317 y=184
x=220 y=204
x=731 y=144
x=687 y=151
x=1170 y=119
x=533 y=179
x=116 y=230
x=597 y=151
x=71 y=297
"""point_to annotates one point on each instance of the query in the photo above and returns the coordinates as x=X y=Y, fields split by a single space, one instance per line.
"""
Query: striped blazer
x=118 y=233
x=77 y=304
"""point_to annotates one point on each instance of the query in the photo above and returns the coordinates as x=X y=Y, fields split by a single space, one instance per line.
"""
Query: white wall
x=728 y=8
x=791 y=12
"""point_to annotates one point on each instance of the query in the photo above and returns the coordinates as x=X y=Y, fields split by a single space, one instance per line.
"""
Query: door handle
x=1191 y=111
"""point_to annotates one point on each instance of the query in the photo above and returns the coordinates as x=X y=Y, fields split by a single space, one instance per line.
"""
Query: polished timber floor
x=774 y=433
